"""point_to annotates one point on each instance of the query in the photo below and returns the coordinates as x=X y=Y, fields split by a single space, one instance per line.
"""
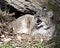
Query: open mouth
x=39 y=22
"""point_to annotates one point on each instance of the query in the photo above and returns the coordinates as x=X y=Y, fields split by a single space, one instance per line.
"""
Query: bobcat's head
x=44 y=25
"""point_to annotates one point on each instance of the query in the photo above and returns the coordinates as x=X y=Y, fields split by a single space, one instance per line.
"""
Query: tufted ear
x=49 y=14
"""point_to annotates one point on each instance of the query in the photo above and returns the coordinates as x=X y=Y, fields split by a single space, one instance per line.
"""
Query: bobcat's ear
x=50 y=14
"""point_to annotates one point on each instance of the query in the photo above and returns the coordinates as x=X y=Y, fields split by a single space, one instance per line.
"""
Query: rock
x=23 y=6
x=6 y=40
x=17 y=47
x=2 y=36
x=19 y=38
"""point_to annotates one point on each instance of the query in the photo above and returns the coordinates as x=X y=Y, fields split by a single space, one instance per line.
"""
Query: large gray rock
x=23 y=5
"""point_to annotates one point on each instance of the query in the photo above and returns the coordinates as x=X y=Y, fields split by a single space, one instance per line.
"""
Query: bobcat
x=30 y=24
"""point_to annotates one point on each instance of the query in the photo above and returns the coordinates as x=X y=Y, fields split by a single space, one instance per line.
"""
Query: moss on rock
x=52 y=6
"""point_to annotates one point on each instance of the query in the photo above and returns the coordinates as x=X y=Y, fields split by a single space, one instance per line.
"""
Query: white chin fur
x=49 y=32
